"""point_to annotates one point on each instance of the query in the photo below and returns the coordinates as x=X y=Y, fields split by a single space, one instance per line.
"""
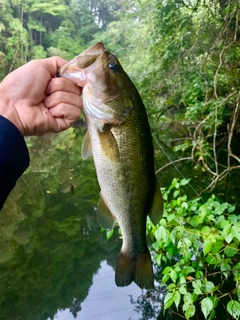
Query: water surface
x=55 y=262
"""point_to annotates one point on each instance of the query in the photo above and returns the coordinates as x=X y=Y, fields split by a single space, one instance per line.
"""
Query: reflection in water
x=52 y=248
x=51 y=245
x=105 y=301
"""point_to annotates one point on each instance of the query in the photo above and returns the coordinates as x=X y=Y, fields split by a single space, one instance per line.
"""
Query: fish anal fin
x=156 y=211
x=105 y=218
x=109 y=144
x=86 y=146
x=138 y=269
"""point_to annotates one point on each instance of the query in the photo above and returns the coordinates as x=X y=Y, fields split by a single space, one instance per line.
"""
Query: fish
x=119 y=139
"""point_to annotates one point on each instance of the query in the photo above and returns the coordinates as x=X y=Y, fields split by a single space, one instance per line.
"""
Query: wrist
x=8 y=111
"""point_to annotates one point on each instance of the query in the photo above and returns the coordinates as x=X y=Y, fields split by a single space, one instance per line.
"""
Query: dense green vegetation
x=196 y=244
x=183 y=56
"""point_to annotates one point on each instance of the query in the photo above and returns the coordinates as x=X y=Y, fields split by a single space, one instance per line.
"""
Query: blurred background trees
x=182 y=55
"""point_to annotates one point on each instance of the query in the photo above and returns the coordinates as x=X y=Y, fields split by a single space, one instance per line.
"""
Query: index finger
x=62 y=84
x=52 y=64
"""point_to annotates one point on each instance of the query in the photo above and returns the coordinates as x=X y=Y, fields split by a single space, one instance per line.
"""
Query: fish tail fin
x=138 y=269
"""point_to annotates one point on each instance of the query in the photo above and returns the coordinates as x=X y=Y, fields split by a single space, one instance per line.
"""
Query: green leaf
x=233 y=308
x=188 y=310
x=182 y=288
x=195 y=221
x=212 y=315
x=208 y=287
x=176 y=193
x=233 y=218
x=166 y=270
x=171 y=287
x=230 y=251
x=109 y=234
x=197 y=287
x=238 y=293
x=225 y=267
x=183 y=182
x=168 y=300
x=207 y=246
x=184 y=205
x=231 y=209
x=229 y=236
x=163 y=235
x=214 y=300
x=205 y=231
x=217 y=246
x=177 y=298
x=236 y=231
x=173 y=275
x=158 y=258
x=206 y=306
x=165 y=278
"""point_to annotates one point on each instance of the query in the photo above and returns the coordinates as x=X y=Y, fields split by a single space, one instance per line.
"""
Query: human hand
x=36 y=102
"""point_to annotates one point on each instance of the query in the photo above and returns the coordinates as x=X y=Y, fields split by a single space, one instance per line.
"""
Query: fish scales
x=119 y=138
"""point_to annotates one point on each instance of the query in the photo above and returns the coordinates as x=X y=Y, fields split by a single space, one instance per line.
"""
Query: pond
x=55 y=261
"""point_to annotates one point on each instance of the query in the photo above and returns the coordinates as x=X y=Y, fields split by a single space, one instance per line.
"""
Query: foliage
x=183 y=57
x=32 y=29
x=197 y=79
x=196 y=245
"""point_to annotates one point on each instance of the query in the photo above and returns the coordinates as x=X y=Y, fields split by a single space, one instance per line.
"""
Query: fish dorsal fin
x=109 y=144
x=105 y=218
x=86 y=146
x=156 y=211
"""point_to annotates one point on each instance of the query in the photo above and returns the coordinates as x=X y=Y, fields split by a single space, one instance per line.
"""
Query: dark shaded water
x=54 y=260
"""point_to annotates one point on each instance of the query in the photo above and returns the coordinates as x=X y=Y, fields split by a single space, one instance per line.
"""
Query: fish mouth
x=75 y=69
x=72 y=72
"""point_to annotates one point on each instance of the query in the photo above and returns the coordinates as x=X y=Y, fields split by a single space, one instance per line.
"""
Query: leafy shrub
x=196 y=245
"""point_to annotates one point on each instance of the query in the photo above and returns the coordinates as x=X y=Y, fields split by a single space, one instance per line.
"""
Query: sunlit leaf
x=197 y=287
x=176 y=193
x=233 y=308
x=109 y=234
x=205 y=230
x=207 y=246
x=206 y=306
x=168 y=300
x=177 y=298
x=236 y=231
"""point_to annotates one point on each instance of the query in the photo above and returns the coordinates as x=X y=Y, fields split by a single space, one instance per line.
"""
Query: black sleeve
x=14 y=157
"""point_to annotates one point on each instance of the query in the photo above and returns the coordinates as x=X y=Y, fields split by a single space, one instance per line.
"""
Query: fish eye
x=113 y=67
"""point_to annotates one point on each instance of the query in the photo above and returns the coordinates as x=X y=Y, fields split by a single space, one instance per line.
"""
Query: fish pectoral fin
x=156 y=211
x=86 y=146
x=105 y=218
x=109 y=144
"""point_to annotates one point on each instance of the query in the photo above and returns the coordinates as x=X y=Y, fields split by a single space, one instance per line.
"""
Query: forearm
x=14 y=157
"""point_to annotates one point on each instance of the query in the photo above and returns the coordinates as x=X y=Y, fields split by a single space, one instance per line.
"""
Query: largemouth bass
x=119 y=138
